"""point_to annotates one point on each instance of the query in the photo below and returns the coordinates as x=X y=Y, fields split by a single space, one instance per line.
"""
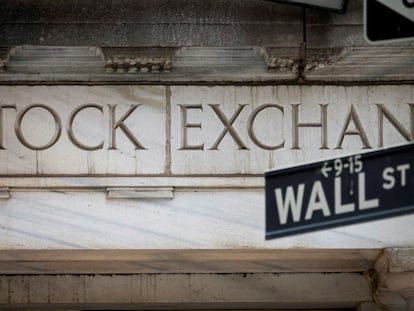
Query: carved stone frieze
x=138 y=60
x=141 y=64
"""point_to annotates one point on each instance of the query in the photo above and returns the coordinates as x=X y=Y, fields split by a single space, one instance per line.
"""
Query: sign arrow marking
x=325 y=170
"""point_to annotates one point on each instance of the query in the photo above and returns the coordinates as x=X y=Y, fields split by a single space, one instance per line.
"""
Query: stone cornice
x=360 y=64
x=37 y=64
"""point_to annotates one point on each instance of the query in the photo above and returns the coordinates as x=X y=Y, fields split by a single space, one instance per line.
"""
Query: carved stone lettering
x=72 y=136
x=185 y=125
x=194 y=129
x=251 y=129
x=228 y=127
x=323 y=125
x=2 y=123
x=86 y=130
x=252 y=133
x=114 y=125
x=19 y=132
x=384 y=112
x=352 y=115
x=121 y=125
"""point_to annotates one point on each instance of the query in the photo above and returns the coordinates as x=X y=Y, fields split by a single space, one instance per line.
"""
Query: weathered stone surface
x=150 y=23
x=213 y=130
x=193 y=65
x=192 y=220
x=400 y=259
x=64 y=262
x=48 y=142
x=394 y=281
x=147 y=64
x=52 y=59
x=138 y=64
x=329 y=30
x=368 y=306
x=282 y=59
x=361 y=64
x=37 y=217
x=138 y=60
x=272 y=127
x=146 y=11
x=155 y=291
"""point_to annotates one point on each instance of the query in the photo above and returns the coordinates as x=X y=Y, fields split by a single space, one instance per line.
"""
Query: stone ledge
x=101 y=183
x=360 y=64
x=54 y=59
x=207 y=65
x=144 y=65
x=186 y=291
x=186 y=261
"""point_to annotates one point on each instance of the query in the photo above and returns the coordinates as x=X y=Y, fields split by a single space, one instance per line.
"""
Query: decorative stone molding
x=182 y=291
x=37 y=60
x=275 y=64
x=395 y=280
x=138 y=59
x=315 y=64
x=321 y=58
x=279 y=59
x=138 y=64
x=206 y=64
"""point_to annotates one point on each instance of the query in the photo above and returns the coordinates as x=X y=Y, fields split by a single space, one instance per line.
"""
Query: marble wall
x=192 y=220
x=64 y=147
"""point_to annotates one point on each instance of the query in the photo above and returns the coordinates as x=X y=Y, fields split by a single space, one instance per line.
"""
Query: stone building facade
x=134 y=136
